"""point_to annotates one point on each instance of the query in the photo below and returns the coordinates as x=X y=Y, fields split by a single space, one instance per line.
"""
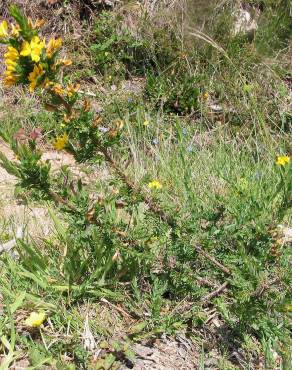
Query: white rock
x=286 y=232
x=244 y=22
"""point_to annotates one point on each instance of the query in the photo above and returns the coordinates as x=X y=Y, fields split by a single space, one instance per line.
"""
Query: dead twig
x=264 y=287
x=204 y=281
x=215 y=293
x=59 y=200
x=212 y=259
x=119 y=309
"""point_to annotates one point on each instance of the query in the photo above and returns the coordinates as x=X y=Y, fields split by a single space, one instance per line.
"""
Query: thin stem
x=214 y=293
x=213 y=260
x=153 y=206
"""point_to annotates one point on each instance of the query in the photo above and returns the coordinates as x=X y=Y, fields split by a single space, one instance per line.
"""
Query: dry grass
x=59 y=19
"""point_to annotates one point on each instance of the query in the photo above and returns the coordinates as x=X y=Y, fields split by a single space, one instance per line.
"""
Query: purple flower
x=103 y=129
x=35 y=133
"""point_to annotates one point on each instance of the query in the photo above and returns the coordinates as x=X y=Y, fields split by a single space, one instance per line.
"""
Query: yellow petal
x=35 y=57
x=15 y=30
x=282 y=160
x=25 y=50
x=61 y=142
x=11 y=68
x=155 y=184
x=66 y=62
x=10 y=62
x=35 y=319
x=3 y=29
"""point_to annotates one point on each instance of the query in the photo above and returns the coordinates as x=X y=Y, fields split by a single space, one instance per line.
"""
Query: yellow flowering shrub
x=33 y=61
x=30 y=59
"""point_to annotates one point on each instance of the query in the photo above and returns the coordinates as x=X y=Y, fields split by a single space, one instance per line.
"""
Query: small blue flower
x=130 y=100
x=184 y=131
x=258 y=175
x=154 y=141
x=190 y=148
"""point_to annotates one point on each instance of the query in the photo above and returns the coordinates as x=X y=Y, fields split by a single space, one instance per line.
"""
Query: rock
x=245 y=22
x=286 y=233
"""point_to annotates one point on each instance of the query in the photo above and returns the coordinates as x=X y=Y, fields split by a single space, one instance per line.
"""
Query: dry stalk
x=205 y=300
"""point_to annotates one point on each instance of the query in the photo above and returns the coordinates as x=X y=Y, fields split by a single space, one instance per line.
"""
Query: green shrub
x=175 y=92
x=115 y=51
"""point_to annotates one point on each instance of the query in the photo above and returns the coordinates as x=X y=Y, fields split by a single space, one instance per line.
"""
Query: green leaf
x=109 y=361
x=61 y=230
x=18 y=302
x=21 y=19
x=138 y=328
x=9 y=166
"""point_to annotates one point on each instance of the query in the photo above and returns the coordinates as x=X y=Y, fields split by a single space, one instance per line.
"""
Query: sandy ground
x=14 y=213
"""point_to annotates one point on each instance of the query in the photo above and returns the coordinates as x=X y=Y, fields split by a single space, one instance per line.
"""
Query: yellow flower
x=10 y=80
x=57 y=89
x=61 y=142
x=66 y=62
x=155 y=184
x=33 y=77
x=69 y=117
x=282 y=160
x=26 y=49
x=206 y=95
x=36 y=48
x=53 y=46
x=12 y=54
x=86 y=105
x=120 y=124
x=11 y=57
x=3 y=29
x=10 y=65
x=72 y=90
x=146 y=122
x=15 y=30
x=37 y=24
x=35 y=319
x=33 y=49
